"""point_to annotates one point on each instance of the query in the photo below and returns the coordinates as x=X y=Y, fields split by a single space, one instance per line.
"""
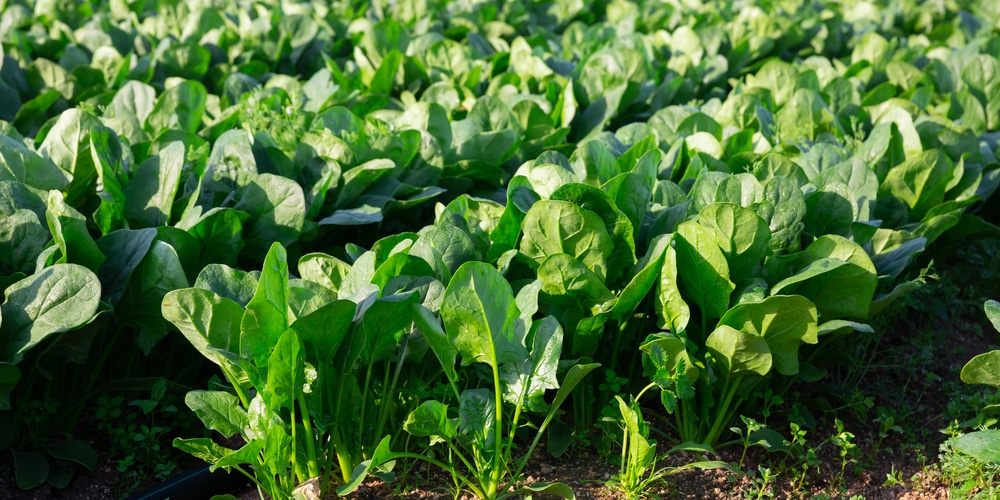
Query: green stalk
x=312 y=465
x=387 y=400
x=364 y=400
x=491 y=491
x=244 y=397
x=721 y=417
x=295 y=455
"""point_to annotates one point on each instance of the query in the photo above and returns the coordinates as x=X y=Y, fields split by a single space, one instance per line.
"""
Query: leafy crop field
x=397 y=247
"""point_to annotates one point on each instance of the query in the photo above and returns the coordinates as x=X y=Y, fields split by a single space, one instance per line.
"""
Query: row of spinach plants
x=652 y=188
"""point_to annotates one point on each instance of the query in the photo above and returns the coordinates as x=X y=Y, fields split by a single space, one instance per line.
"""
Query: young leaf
x=218 y=410
x=525 y=382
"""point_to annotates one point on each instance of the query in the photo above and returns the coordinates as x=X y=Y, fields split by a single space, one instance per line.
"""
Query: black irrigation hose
x=194 y=484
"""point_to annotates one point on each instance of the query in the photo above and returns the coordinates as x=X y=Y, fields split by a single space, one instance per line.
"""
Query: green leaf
x=150 y=194
x=552 y=227
x=992 y=309
x=218 y=411
x=160 y=272
x=125 y=248
x=70 y=233
x=784 y=321
x=10 y=376
x=984 y=445
x=444 y=350
x=75 y=451
x=562 y=277
x=57 y=299
x=383 y=325
x=67 y=146
x=266 y=316
x=703 y=269
x=323 y=269
x=920 y=182
x=31 y=468
x=555 y=489
x=983 y=369
x=233 y=284
x=206 y=320
x=739 y=353
x=479 y=313
x=431 y=419
x=18 y=163
x=285 y=372
x=323 y=330
x=381 y=455
x=835 y=274
x=526 y=381
x=22 y=240
x=743 y=237
x=179 y=107
x=477 y=414
x=277 y=208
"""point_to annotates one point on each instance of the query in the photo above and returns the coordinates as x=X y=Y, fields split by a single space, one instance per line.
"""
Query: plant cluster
x=489 y=199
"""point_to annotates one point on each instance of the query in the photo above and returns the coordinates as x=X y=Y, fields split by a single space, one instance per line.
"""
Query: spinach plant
x=485 y=323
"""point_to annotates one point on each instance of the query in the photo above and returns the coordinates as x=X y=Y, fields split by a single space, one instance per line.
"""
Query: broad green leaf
x=74 y=450
x=743 y=237
x=984 y=445
x=233 y=284
x=179 y=107
x=384 y=324
x=67 y=145
x=784 y=321
x=266 y=316
x=219 y=411
x=324 y=269
x=23 y=237
x=739 y=353
x=983 y=369
x=672 y=311
x=285 y=372
x=159 y=273
x=834 y=273
x=10 y=376
x=431 y=419
x=477 y=416
x=277 y=209
x=150 y=194
x=125 y=248
x=702 y=268
x=57 y=299
x=920 y=182
x=323 y=330
x=992 y=309
x=70 y=233
x=31 y=468
x=525 y=382
x=479 y=315
x=564 y=277
x=552 y=227
x=18 y=163
x=206 y=320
